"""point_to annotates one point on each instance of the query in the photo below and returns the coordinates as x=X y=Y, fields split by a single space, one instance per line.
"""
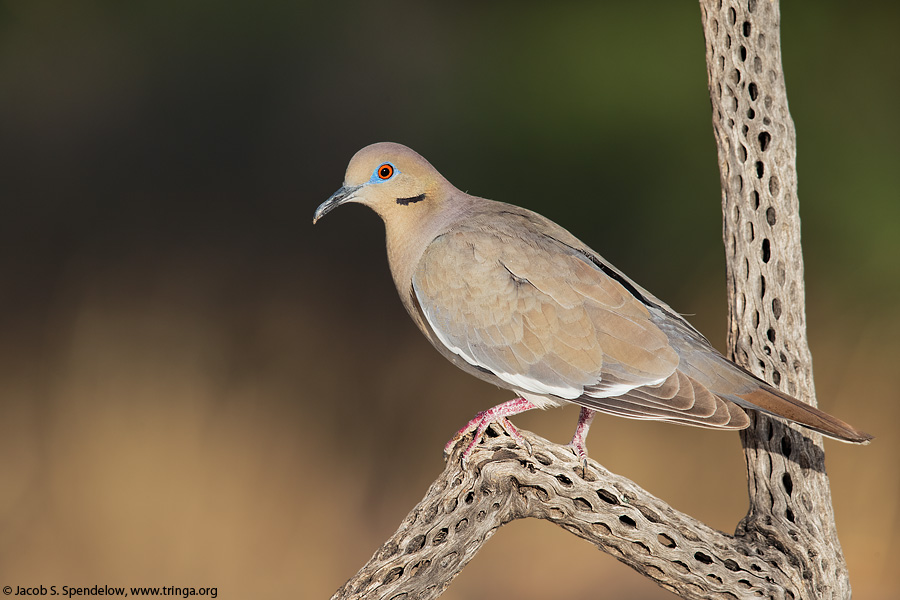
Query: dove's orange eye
x=385 y=171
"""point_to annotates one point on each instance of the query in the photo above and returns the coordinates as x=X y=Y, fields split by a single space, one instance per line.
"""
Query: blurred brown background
x=198 y=388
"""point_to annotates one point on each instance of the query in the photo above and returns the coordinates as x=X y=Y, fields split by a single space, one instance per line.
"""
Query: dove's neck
x=407 y=239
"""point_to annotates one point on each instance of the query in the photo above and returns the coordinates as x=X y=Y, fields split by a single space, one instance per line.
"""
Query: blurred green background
x=199 y=388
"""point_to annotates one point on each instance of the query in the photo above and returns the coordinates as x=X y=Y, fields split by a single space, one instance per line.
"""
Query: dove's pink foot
x=481 y=421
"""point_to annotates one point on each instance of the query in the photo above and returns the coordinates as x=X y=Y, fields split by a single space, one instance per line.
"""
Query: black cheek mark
x=408 y=201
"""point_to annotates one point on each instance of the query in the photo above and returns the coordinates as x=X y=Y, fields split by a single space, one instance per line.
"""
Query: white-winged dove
x=516 y=300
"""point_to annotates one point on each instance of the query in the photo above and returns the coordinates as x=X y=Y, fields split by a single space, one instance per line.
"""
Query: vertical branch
x=790 y=498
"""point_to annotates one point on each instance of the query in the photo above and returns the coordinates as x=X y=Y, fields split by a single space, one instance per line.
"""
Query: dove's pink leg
x=481 y=421
x=581 y=431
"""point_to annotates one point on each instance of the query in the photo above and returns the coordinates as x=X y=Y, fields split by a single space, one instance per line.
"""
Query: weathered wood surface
x=790 y=498
x=465 y=507
x=787 y=545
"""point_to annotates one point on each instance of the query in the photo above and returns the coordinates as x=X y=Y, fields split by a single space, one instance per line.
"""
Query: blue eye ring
x=384 y=172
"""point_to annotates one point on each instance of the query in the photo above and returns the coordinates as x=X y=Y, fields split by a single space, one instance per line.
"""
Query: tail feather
x=770 y=400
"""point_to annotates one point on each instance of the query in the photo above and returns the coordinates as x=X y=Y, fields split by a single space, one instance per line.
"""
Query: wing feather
x=536 y=314
x=516 y=300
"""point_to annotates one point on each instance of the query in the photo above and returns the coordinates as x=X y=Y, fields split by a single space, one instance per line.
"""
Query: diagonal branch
x=503 y=481
x=787 y=545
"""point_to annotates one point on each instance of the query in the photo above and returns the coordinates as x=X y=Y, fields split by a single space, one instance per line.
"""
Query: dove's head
x=392 y=180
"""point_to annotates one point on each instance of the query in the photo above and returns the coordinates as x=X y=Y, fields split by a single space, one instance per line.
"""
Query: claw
x=580 y=453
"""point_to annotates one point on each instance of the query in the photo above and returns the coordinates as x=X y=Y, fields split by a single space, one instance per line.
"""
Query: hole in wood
x=582 y=504
x=666 y=541
x=770 y=333
x=415 y=544
x=440 y=537
x=607 y=497
x=418 y=567
x=746 y=29
x=770 y=216
x=788 y=483
x=766 y=250
x=760 y=169
x=628 y=521
x=430 y=514
x=776 y=308
x=764 y=138
x=393 y=575
x=564 y=480
x=704 y=558
x=540 y=492
x=786 y=446
x=753 y=91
